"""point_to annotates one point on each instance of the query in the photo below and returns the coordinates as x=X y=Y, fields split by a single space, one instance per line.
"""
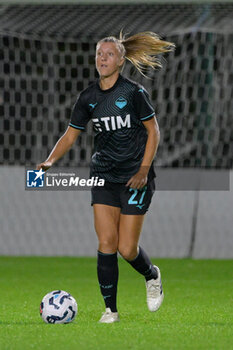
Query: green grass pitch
x=196 y=312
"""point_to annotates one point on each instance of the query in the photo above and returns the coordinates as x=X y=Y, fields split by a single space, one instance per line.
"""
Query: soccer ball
x=58 y=307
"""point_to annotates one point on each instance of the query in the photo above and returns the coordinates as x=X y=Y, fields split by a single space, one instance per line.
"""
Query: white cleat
x=154 y=292
x=109 y=317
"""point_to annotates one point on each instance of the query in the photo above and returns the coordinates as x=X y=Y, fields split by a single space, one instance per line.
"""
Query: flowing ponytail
x=141 y=49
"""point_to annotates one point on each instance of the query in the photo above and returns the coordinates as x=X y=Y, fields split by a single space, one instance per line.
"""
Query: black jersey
x=117 y=115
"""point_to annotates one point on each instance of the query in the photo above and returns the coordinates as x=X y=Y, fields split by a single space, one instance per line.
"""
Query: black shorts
x=131 y=201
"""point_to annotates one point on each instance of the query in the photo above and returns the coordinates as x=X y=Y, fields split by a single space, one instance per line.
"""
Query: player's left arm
x=152 y=142
x=140 y=178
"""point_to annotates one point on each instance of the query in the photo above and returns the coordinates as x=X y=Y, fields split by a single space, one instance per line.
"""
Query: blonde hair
x=141 y=49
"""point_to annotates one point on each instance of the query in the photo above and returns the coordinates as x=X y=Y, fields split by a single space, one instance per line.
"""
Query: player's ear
x=121 y=61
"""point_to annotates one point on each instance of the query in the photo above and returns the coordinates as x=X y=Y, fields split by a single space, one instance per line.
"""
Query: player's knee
x=108 y=245
x=128 y=253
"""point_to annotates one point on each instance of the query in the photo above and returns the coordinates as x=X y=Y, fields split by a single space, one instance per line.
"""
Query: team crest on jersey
x=121 y=102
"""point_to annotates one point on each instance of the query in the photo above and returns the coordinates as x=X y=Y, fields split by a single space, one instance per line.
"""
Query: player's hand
x=138 y=180
x=44 y=166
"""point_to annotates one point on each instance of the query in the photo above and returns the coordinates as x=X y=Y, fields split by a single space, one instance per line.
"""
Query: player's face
x=108 y=59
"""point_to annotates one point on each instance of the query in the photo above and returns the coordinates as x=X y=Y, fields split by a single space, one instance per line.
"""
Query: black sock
x=107 y=270
x=143 y=265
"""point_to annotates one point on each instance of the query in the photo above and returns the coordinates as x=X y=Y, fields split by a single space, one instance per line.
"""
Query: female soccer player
x=125 y=145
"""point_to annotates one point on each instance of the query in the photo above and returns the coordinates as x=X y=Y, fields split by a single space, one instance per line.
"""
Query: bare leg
x=106 y=220
x=130 y=227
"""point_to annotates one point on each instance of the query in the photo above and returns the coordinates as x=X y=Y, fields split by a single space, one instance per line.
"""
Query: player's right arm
x=62 y=146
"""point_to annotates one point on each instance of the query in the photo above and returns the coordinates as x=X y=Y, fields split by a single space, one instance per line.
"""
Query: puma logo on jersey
x=112 y=123
x=92 y=105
